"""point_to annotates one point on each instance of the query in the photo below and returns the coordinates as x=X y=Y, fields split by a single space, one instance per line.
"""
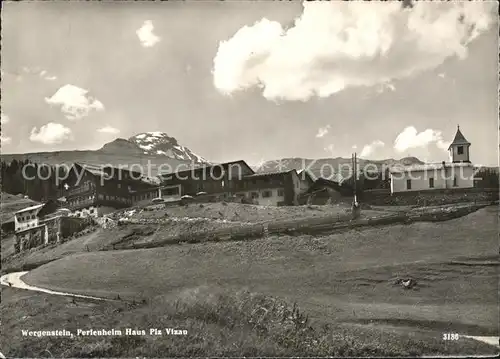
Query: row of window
x=26 y=218
x=267 y=194
x=431 y=183
x=28 y=225
x=236 y=185
x=105 y=197
x=148 y=195
x=80 y=200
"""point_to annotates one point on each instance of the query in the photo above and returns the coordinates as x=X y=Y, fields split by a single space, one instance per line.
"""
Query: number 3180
x=450 y=336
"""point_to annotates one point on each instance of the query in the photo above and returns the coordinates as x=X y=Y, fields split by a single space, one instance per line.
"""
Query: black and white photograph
x=249 y=178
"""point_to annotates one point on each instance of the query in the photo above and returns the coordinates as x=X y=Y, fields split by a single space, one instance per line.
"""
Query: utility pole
x=355 y=204
x=355 y=172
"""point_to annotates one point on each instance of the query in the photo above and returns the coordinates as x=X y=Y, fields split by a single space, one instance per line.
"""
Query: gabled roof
x=38 y=206
x=307 y=173
x=459 y=139
x=99 y=170
x=265 y=174
x=196 y=170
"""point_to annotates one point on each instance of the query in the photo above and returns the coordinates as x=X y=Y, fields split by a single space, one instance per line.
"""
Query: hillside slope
x=332 y=276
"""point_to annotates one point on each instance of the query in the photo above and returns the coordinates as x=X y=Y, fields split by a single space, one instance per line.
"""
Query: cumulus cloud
x=336 y=45
x=322 y=131
x=146 y=35
x=411 y=138
x=4 y=140
x=75 y=103
x=330 y=149
x=370 y=148
x=108 y=129
x=38 y=72
x=4 y=119
x=51 y=133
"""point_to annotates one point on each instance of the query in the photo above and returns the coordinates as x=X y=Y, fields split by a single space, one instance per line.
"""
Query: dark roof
x=98 y=170
x=224 y=165
x=274 y=173
x=459 y=139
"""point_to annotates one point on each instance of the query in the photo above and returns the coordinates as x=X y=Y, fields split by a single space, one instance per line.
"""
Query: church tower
x=459 y=148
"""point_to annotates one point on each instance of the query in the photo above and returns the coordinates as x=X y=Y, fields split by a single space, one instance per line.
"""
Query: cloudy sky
x=253 y=80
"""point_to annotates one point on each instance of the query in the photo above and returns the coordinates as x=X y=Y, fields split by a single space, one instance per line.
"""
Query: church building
x=456 y=174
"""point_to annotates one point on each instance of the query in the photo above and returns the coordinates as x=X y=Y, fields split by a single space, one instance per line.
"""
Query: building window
x=431 y=182
x=266 y=194
x=119 y=185
x=460 y=150
x=408 y=184
x=281 y=192
x=455 y=184
x=254 y=195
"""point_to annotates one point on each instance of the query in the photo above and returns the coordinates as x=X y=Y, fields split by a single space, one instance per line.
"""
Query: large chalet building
x=237 y=180
x=92 y=190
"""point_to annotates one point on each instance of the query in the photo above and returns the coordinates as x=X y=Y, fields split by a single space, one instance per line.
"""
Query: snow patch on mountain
x=159 y=143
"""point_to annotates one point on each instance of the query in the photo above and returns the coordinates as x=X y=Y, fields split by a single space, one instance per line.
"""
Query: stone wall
x=53 y=229
x=430 y=198
x=31 y=238
x=70 y=225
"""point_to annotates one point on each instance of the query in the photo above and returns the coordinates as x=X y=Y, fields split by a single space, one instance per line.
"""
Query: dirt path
x=14 y=280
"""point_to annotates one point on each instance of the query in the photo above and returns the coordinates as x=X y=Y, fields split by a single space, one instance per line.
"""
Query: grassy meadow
x=344 y=281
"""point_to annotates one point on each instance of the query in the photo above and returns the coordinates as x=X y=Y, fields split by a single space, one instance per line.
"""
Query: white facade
x=270 y=197
x=458 y=173
x=265 y=197
x=430 y=177
x=27 y=218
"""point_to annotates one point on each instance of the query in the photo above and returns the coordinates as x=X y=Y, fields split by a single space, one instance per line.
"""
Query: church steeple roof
x=459 y=139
